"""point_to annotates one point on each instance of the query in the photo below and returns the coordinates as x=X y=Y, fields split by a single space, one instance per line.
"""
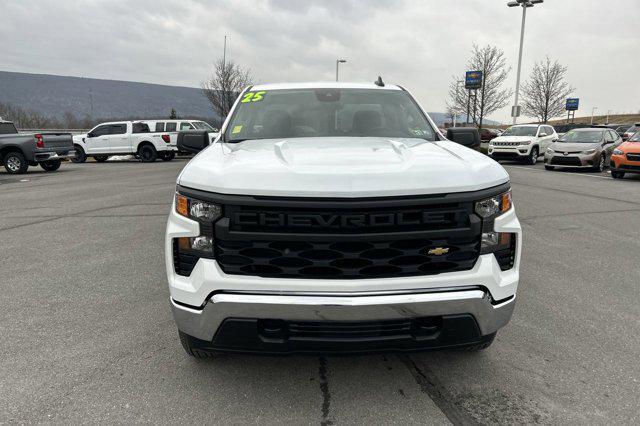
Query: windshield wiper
x=235 y=140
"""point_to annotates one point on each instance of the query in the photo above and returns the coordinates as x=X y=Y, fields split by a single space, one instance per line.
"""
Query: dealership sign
x=473 y=80
x=572 y=104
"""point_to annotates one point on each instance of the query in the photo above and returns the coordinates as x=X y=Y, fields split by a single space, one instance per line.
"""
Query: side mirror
x=466 y=136
x=542 y=135
x=90 y=135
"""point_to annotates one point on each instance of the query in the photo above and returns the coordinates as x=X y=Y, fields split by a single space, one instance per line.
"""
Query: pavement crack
x=324 y=388
x=429 y=384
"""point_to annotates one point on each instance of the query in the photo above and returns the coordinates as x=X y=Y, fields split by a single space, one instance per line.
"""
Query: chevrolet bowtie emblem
x=438 y=251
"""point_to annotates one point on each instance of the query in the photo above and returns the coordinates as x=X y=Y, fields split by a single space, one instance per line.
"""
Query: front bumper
x=208 y=301
x=620 y=163
x=571 y=160
x=507 y=152
x=236 y=321
x=53 y=155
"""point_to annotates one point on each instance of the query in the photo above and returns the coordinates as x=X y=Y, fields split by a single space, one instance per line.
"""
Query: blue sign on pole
x=572 y=104
x=473 y=80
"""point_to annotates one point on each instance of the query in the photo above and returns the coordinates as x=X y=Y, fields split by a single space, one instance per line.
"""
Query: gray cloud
x=419 y=44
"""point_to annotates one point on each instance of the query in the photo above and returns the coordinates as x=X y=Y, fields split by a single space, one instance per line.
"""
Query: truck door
x=119 y=139
x=97 y=141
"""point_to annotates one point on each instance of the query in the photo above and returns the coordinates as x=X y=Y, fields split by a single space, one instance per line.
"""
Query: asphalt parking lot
x=88 y=334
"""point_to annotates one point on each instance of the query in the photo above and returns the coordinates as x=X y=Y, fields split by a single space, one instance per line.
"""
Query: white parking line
x=547 y=171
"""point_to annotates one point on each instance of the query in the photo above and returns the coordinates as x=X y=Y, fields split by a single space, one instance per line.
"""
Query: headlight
x=617 y=152
x=197 y=210
x=589 y=151
x=206 y=214
x=525 y=142
x=550 y=151
x=489 y=209
x=494 y=206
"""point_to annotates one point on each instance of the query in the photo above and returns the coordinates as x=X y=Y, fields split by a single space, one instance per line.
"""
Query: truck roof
x=324 y=85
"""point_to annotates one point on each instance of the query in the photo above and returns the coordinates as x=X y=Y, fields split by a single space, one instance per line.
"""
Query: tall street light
x=338 y=62
x=524 y=4
x=592 y=111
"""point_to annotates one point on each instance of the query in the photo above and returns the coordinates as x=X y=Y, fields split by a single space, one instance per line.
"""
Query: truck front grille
x=346 y=259
x=348 y=238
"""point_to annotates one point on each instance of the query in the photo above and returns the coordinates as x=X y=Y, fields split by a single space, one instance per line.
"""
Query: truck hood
x=341 y=167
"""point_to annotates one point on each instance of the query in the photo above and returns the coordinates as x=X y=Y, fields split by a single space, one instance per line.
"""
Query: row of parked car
x=587 y=147
x=147 y=140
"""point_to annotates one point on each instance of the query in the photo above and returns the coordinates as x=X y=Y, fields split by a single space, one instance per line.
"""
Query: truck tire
x=147 y=153
x=80 y=156
x=50 y=166
x=101 y=158
x=15 y=163
x=484 y=344
x=190 y=347
x=168 y=156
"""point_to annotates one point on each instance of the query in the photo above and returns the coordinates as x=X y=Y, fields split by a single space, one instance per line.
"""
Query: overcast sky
x=419 y=44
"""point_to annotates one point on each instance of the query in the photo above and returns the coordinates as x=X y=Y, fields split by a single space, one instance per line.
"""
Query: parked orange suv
x=626 y=157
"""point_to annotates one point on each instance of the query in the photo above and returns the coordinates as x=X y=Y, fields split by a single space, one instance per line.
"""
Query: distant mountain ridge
x=54 y=95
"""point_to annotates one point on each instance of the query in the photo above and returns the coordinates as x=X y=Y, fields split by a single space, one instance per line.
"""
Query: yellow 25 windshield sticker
x=253 y=97
x=236 y=129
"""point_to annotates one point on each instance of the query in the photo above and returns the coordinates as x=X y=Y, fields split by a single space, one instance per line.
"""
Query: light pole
x=592 y=111
x=524 y=4
x=608 y=112
x=338 y=62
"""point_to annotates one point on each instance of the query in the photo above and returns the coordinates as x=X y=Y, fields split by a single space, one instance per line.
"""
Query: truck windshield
x=300 y=113
x=520 y=131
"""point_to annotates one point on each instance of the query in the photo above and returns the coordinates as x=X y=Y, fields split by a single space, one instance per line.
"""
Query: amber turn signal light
x=182 y=205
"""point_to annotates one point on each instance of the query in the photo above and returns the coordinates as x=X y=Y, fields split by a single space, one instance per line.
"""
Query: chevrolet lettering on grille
x=340 y=221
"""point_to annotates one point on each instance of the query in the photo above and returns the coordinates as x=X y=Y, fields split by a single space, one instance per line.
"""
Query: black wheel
x=15 y=163
x=50 y=166
x=599 y=167
x=533 y=156
x=617 y=174
x=101 y=158
x=547 y=167
x=168 y=156
x=193 y=348
x=484 y=344
x=80 y=157
x=147 y=153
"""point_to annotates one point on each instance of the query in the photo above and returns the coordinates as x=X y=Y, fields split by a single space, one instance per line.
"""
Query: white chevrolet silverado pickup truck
x=333 y=217
x=125 y=138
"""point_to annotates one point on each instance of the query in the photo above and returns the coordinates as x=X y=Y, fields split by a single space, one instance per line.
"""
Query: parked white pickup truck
x=124 y=138
x=335 y=217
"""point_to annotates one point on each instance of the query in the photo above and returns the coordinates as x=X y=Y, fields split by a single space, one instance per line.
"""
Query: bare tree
x=224 y=85
x=491 y=96
x=544 y=94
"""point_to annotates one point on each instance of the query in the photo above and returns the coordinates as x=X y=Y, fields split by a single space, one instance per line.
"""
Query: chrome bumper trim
x=203 y=323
